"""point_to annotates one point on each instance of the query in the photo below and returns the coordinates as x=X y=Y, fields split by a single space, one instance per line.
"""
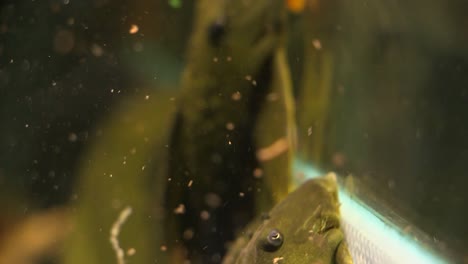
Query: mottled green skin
x=215 y=93
x=210 y=79
x=308 y=219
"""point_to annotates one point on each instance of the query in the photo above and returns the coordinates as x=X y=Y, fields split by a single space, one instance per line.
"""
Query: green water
x=382 y=95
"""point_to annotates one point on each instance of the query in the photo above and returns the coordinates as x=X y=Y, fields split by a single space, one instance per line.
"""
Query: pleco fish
x=302 y=228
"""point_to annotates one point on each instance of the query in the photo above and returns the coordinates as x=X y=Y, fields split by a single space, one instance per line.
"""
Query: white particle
x=230 y=126
x=317 y=44
x=131 y=252
x=204 y=215
x=72 y=137
x=180 y=209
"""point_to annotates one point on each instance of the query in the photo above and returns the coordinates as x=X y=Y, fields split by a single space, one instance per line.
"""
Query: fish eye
x=273 y=241
x=216 y=32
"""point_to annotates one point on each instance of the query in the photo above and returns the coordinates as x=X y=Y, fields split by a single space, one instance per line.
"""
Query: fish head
x=248 y=31
x=303 y=228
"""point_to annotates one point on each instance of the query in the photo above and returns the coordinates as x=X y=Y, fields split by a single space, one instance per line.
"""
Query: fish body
x=228 y=74
x=302 y=228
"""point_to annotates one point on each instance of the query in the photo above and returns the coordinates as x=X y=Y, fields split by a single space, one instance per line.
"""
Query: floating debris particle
x=133 y=29
x=114 y=234
x=338 y=159
x=72 y=137
x=205 y=215
x=131 y=252
x=230 y=126
x=317 y=44
x=277 y=148
x=212 y=200
x=236 y=96
x=241 y=194
x=190 y=183
x=277 y=260
x=97 y=50
x=146 y=97
x=163 y=248
x=309 y=131
x=188 y=234
x=180 y=209
x=258 y=173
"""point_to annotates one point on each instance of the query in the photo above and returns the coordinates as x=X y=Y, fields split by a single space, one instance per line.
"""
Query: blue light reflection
x=371 y=237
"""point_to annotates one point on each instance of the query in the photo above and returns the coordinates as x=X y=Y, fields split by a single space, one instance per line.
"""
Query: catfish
x=302 y=228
